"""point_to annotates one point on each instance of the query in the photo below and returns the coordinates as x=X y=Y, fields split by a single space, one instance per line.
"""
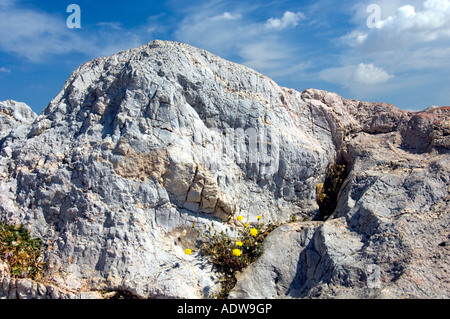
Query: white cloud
x=370 y=74
x=340 y=75
x=427 y=25
x=409 y=50
x=356 y=76
x=31 y=34
x=413 y=35
x=235 y=35
x=289 y=19
x=369 y=82
x=213 y=31
x=354 y=38
x=5 y=70
x=227 y=16
x=110 y=25
x=259 y=55
x=407 y=26
x=37 y=35
x=274 y=58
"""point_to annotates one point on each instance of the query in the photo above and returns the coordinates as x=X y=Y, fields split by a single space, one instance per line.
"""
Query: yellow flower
x=253 y=232
x=239 y=243
x=240 y=218
x=246 y=225
x=259 y=217
x=188 y=251
x=237 y=252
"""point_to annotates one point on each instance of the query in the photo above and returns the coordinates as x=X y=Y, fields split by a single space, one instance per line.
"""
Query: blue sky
x=397 y=53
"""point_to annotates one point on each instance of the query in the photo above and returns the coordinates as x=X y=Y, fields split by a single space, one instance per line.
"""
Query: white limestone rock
x=140 y=145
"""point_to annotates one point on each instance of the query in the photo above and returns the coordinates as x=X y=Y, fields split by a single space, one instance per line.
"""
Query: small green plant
x=327 y=192
x=20 y=251
x=233 y=254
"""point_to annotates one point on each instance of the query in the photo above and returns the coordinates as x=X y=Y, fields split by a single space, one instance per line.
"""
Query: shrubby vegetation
x=233 y=253
x=20 y=251
x=327 y=192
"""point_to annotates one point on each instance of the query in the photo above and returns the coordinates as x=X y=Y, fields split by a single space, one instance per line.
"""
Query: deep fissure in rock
x=328 y=191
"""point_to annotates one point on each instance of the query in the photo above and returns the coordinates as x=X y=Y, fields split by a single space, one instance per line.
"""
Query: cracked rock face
x=140 y=145
x=387 y=238
x=14 y=114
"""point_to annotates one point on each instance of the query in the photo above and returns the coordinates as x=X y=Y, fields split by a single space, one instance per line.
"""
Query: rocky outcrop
x=15 y=117
x=14 y=114
x=388 y=237
x=140 y=145
x=12 y=288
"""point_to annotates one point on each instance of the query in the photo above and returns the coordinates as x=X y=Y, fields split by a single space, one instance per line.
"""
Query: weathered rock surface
x=15 y=117
x=388 y=237
x=14 y=114
x=139 y=145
